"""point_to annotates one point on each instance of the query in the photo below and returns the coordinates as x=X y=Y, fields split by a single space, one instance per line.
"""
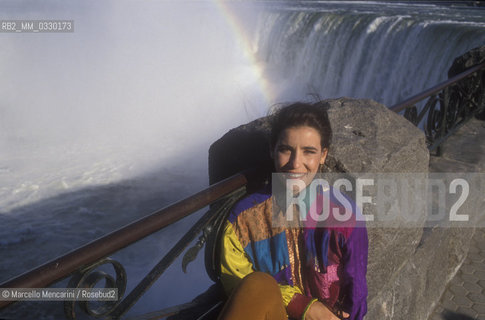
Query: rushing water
x=364 y=49
x=103 y=125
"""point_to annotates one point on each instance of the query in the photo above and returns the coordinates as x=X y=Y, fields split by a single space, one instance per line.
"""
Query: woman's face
x=298 y=152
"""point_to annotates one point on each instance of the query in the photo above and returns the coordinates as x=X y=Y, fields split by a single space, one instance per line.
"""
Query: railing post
x=444 y=103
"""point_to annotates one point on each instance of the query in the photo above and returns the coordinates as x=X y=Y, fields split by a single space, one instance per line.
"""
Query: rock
x=367 y=137
x=242 y=148
x=408 y=267
x=370 y=138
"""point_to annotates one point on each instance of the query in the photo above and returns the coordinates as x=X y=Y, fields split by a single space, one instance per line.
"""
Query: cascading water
x=363 y=49
x=103 y=125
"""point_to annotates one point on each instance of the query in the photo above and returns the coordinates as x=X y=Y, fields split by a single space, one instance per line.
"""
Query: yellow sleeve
x=288 y=292
x=235 y=265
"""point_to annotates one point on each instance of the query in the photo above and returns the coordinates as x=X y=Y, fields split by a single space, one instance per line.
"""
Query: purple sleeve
x=354 y=287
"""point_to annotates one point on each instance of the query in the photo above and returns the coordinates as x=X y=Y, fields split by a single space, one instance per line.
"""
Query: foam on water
x=387 y=52
x=104 y=125
x=132 y=88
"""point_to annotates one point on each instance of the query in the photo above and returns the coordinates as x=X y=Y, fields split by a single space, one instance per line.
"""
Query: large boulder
x=368 y=137
x=407 y=267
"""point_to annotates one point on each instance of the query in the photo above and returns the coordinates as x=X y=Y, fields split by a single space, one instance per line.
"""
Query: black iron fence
x=448 y=106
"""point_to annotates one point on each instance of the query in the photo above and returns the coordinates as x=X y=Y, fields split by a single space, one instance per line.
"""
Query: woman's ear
x=324 y=156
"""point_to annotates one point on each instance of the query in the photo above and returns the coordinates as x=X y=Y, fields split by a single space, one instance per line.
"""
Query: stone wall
x=408 y=267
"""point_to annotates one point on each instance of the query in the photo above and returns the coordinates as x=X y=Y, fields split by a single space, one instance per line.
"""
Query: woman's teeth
x=295 y=175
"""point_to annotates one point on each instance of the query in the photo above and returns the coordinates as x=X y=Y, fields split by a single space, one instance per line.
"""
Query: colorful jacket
x=324 y=263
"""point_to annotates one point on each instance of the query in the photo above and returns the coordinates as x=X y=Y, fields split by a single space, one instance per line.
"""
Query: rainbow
x=244 y=40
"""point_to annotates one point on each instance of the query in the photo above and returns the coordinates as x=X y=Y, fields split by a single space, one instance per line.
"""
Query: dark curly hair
x=302 y=114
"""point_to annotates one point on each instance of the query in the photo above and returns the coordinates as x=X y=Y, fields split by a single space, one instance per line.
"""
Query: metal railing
x=459 y=98
x=450 y=104
x=83 y=262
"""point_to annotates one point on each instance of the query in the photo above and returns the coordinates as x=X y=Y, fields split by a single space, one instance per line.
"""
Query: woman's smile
x=298 y=153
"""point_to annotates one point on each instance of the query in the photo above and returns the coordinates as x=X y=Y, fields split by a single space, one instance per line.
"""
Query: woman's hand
x=318 y=311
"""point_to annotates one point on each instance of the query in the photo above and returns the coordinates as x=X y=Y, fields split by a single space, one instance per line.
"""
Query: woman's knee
x=260 y=277
x=258 y=296
x=262 y=283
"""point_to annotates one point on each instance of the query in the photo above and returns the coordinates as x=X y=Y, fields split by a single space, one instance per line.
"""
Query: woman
x=300 y=273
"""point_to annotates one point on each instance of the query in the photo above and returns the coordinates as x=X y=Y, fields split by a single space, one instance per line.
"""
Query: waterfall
x=104 y=125
x=367 y=50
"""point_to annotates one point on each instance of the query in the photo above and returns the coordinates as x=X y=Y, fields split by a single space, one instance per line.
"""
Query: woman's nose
x=295 y=160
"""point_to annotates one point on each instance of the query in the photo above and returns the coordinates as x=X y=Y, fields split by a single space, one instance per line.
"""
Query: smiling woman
x=300 y=139
x=275 y=272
